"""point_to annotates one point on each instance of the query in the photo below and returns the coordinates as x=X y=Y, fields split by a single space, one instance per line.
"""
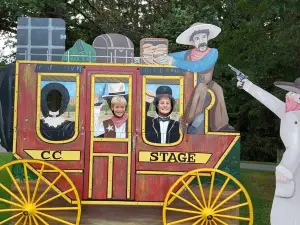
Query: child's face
x=119 y=109
x=164 y=106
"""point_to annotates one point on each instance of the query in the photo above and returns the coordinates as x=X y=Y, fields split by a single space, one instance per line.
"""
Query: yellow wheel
x=37 y=199
x=207 y=197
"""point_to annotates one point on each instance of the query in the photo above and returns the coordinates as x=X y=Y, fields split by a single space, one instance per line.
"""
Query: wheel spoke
x=38 y=183
x=220 y=221
x=201 y=189
x=220 y=192
x=58 y=209
x=180 y=190
x=41 y=219
x=30 y=220
x=10 y=202
x=10 y=210
x=35 y=221
x=228 y=198
x=183 y=210
x=55 y=218
x=192 y=193
x=214 y=223
x=27 y=183
x=211 y=187
x=184 y=220
x=55 y=197
x=198 y=221
x=186 y=201
x=233 y=217
x=19 y=221
x=16 y=184
x=12 y=194
x=232 y=207
x=25 y=221
x=11 y=218
x=50 y=186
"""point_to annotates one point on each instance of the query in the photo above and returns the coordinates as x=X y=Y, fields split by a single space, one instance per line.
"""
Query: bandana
x=118 y=121
x=196 y=54
x=291 y=105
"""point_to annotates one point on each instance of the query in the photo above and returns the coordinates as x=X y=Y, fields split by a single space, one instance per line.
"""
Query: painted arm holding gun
x=286 y=202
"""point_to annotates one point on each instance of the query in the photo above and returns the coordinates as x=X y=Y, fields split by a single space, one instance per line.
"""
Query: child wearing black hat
x=162 y=129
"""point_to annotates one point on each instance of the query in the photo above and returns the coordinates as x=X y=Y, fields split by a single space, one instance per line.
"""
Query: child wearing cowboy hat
x=162 y=129
x=116 y=126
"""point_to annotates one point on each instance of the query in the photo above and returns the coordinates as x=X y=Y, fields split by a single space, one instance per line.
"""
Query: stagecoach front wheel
x=207 y=197
x=35 y=192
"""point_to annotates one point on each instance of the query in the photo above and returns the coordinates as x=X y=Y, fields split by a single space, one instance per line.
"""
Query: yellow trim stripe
x=164 y=173
x=94 y=64
x=110 y=154
x=110 y=176
x=16 y=108
x=120 y=203
x=66 y=171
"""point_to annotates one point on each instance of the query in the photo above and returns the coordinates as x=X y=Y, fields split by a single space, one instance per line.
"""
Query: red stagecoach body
x=112 y=171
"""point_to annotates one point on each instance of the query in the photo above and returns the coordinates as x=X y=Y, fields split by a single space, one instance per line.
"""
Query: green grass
x=6 y=181
x=260 y=185
x=257 y=162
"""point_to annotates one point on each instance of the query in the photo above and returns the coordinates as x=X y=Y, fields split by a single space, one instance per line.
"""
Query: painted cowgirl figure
x=286 y=203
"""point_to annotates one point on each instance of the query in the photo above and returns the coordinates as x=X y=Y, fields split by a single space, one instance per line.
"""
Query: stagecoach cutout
x=58 y=106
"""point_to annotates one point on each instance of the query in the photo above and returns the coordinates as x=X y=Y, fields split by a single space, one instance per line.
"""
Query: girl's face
x=119 y=109
x=164 y=106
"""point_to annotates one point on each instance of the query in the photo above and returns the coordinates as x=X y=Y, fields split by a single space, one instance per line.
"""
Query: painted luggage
x=40 y=39
x=113 y=48
x=152 y=48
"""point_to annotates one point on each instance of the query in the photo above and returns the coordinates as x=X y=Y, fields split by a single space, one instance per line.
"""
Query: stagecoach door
x=109 y=173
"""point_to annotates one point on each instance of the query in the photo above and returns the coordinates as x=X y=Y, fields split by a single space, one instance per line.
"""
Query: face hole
x=54 y=100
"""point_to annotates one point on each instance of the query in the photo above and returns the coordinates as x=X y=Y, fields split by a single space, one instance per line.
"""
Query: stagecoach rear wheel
x=206 y=203
x=37 y=201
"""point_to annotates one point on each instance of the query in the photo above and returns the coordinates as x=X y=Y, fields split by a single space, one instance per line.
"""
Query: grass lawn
x=6 y=181
x=260 y=185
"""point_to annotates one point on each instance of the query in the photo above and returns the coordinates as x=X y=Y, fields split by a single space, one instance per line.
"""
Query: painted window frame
x=38 y=106
x=181 y=87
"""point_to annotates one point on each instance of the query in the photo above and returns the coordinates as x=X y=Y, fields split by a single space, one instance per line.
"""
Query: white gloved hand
x=240 y=84
x=285 y=184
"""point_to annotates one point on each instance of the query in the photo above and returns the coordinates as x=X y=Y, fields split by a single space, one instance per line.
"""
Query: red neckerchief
x=291 y=105
x=196 y=54
x=118 y=121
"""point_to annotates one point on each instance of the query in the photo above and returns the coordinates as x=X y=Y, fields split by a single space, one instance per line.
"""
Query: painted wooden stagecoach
x=194 y=180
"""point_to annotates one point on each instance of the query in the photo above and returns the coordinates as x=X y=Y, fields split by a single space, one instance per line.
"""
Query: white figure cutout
x=286 y=202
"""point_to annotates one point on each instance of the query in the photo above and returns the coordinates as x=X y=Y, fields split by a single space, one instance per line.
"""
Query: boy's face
x=164 y=106
x=119 y=109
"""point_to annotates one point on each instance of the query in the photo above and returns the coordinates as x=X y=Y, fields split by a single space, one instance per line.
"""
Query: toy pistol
x=239 y=74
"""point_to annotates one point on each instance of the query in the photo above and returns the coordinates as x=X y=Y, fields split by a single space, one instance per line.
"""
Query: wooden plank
x=153 y=187
x=119 y=178
x=100 y=178
x=110 y=147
